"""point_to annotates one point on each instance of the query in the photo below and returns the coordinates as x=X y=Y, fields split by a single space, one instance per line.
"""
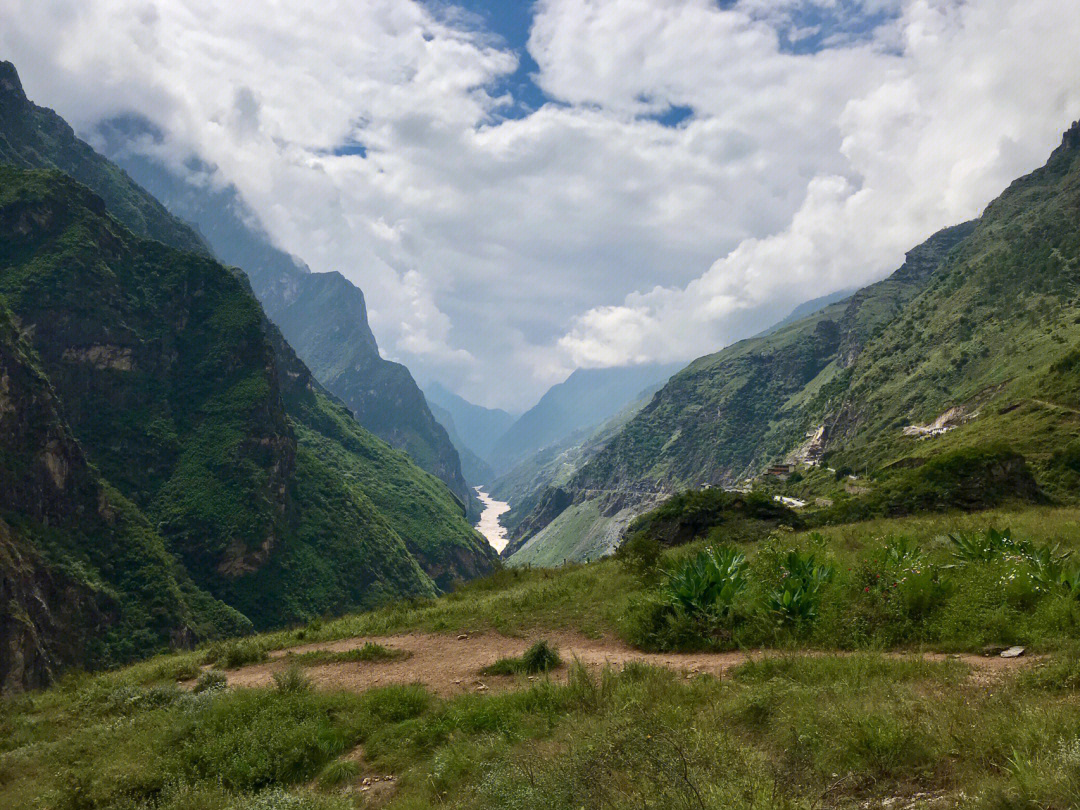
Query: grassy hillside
x=178 y=391
x=869 y=728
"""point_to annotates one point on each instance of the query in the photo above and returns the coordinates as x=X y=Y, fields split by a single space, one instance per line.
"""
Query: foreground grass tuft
x=369 y=652
x=539 y=658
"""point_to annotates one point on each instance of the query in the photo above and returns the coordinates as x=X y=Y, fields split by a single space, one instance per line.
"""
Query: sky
x=524 y=188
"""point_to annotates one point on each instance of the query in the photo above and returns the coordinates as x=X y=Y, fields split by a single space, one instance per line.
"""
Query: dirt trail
x=450 y=665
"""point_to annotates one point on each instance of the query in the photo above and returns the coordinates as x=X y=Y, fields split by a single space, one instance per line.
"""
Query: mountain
x=808 y=308
x=972 y=344
x=585 y=399
x=728 y=415
x=34 y=137
x=535 y=486
x=83 y=576
x=478 y=427
x=475 y=469
x=323 y=316
x=169 y=470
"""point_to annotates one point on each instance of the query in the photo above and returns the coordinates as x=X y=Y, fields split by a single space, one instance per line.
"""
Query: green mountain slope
x=325 y=320
x=535 y=486
x=976 y=335
x=192 y=406
x=322 y=315
x=728 y=415
x=83 y=575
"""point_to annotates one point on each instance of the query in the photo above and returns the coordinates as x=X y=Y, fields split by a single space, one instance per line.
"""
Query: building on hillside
x=781 y=471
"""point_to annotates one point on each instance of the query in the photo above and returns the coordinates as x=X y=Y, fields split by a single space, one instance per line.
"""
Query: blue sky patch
x=813 y=27
x=673 y=116
x=349 y=148
x=509 y=21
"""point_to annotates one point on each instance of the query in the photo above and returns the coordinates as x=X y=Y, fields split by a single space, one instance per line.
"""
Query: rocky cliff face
x=324 y=317
x=46 y=615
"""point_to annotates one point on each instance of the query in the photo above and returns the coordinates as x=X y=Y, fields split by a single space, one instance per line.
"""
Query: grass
x=236 y=653
x=540 y=657
x=790 y=731
x=370 y=652
x=609 y=597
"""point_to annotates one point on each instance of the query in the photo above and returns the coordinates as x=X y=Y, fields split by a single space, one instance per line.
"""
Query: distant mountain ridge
x=585 y=399
x=477 y=472
x=322 y=315
x=478 y=428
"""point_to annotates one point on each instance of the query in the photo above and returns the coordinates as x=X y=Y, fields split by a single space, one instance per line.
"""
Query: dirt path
x=450 y=665
x=1055 y=406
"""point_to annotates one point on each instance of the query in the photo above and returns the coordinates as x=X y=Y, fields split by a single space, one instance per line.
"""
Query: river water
x=489 y=520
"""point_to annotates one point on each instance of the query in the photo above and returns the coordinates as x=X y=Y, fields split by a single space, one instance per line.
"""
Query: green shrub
x=652 y=622
x=369 y=652
x=338 y=772
x=986 y=546
x=795 y=600
x=234 y=654
x=540 y=657
x=911 y=584
x=691 y=514
x=1029 y=570
x=708 y=583
x=210 y=681
x=291 y=680
x=640 y=552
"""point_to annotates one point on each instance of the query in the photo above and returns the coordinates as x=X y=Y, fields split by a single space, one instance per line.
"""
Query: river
x=489 y=520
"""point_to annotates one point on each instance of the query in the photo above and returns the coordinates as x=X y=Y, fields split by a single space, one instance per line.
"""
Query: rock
x=990 y=650
x=1012 y=652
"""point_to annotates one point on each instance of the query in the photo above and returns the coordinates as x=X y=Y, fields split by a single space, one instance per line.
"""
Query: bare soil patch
x=450 y=665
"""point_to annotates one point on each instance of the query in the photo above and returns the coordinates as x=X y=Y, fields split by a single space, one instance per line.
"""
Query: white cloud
x=978 y=96
x=499 y=254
